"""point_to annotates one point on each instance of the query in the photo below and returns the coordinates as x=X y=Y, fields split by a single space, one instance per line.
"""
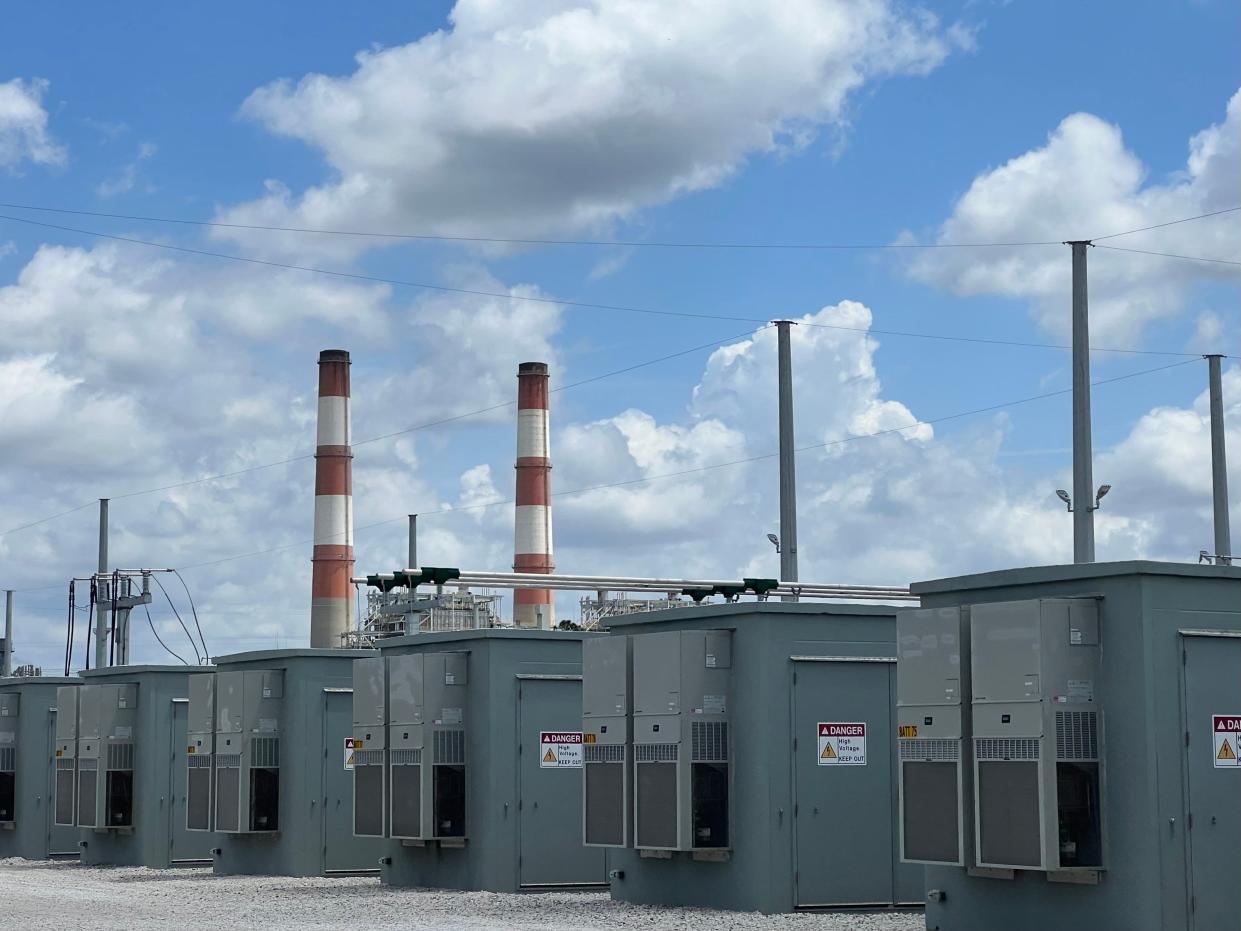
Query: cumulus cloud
x=1084 y=182
x=524 y=119
x=23 y=126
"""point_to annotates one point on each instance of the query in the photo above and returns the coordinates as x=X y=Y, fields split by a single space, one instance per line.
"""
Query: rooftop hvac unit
x=10 y=705
x=200 y=750
x=1038 y=734
x=370 y=733
x=249 y=708
x=607 y=772
x=682 y=690
x=107 y=718
x=66 y=754
x=427 y=741
x=932 y=704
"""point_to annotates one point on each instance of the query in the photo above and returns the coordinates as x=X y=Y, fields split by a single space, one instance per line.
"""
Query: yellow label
x=590 y=738
x=907 y=730
x=60 y=752
x=357 y=745
x=190 y=750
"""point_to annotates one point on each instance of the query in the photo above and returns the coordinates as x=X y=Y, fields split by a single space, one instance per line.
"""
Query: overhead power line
x=529 y=241
x=1159 y=226
x=1172 y=255
x=698 y=469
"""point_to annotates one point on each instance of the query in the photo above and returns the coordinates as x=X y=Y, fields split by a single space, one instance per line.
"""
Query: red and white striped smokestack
x=533 y=607
x=331 y=601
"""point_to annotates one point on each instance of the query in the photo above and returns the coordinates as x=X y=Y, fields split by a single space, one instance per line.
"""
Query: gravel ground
x=40 y=896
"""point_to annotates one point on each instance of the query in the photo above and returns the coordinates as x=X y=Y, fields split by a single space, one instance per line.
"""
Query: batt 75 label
x=560 y=750
x=1227 y=744
x=842 y=743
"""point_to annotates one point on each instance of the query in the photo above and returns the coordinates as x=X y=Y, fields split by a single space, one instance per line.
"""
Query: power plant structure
x=532 y=520
x=331 y=604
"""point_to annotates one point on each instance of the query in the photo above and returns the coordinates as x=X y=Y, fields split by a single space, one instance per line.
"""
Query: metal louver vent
x=406 y=757
x=198 y=761
x=121 y=756
x=368 y=758
x=931 y=749
x=605 y=753
x=87 y=763
x=1077 y=735
x=709 y=741
x=64 y=762
x=450 y=746
x=228 y=760
x=655 y=753
x=8 y=759
x=265 y=752
x=1006 y=748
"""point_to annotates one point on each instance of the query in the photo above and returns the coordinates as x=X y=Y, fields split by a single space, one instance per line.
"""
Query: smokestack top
x=532 y=368
x=334 y=355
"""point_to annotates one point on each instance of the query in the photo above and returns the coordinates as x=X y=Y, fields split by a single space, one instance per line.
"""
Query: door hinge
x=1184 y=657
x=1187 y=738
x=794 y=744
x=796 y=809
x=1189 y=821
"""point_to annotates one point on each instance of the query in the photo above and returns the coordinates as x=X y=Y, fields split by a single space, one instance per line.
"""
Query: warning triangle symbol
x=1219 y=724
x=549 y=756
x=1226 y=751
x=829 y=753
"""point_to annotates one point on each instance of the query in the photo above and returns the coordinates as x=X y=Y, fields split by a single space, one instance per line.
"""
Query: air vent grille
x=709 y=741
x=8 y=759
x=934 y=749
x=1077 y=735
x=228 y=760
x=406 y=757
x=265 y=752
x=1006 y=748
x=450 y=747
x=198 y=761
x=121 y=756
x=655 y=753
x=368 y=758
x=605 y=753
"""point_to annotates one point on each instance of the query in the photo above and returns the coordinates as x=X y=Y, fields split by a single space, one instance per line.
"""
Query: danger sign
x=351 y=746
x=1227 y=731
x=842 y=744
x=560 y=750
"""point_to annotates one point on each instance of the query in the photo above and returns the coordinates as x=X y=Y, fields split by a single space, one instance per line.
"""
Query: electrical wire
x=699 y=469
x=193 y=645
x=1172 y=255
x=167 y=649
x=528 y=241
x=1158 y=226
x=194 y=611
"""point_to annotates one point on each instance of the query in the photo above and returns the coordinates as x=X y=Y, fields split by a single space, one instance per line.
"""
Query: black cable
x=167 y=649
x=68 y=632
x=433 y=237
x=1144 y=229
x=194 y=611
x=188 y=635
x=1172 y=255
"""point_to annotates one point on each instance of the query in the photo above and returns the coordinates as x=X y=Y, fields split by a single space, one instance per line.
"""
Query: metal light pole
x=412 y=561
x=6 y=657
x=101 y=629
x=1083 y=480
x=1219 y=467
x=788 y=471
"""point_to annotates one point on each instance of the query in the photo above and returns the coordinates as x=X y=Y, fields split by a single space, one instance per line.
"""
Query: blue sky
x=855 y=123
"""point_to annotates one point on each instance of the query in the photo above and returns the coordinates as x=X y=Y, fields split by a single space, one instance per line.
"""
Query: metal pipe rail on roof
x=565 y=582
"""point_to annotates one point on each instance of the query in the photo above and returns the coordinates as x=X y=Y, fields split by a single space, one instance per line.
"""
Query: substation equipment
x=469 y=760
x=120 y=769
x=742 y=756
x=1068 y=738
x=28 y=714
x=267 y=764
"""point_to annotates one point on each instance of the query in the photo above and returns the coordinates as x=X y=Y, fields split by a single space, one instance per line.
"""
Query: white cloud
x=1083 y=183
x=525 y=119
x=23 y=125
x=124 y=182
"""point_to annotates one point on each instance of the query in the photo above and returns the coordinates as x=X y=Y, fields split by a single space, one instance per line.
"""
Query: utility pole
x=1219 y=466
x=103 y=585
x=788 y=470
x=412 y=561
x=6 y=655
x=1083 y=479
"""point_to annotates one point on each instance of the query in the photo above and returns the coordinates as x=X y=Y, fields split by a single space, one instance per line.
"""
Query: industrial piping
x=331 y=604
x=532 y=520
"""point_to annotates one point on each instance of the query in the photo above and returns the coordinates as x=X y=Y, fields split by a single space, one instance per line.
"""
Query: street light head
x=1063 y=495
x=1103 y=490
x=775 y=541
